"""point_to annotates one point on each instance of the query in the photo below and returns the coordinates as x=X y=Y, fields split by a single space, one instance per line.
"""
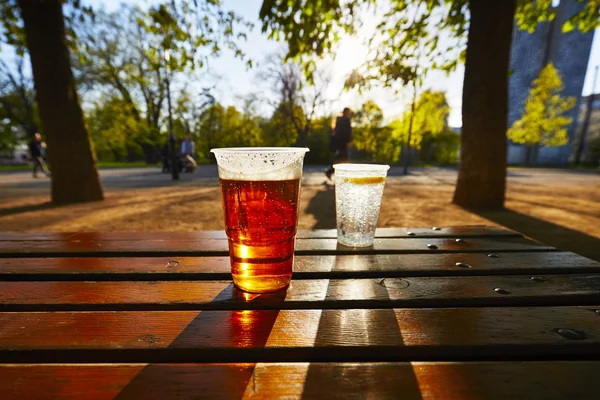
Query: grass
x=114 y=164
x=14 y=168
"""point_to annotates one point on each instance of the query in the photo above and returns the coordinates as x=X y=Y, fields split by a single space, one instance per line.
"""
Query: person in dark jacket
x=340 y=139
x=37 y=149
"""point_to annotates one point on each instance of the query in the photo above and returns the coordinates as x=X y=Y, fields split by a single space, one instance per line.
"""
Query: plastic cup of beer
x=358 y=193
x=260 y=191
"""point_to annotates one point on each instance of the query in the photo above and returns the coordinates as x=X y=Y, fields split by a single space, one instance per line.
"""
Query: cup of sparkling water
x=358 y=192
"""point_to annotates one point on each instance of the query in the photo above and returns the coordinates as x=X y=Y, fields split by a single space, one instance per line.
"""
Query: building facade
x=569 y=52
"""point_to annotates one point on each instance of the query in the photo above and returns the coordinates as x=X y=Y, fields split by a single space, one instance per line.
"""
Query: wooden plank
x=439 y=232
x=555 y=290
x=469 y=231
x=555 y=380
x=305 y=267
x=441 y=334
x=136 y=248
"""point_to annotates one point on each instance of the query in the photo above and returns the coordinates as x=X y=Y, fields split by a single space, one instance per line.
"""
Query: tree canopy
x=120 y=64
x=408 y=35
x=430 y=119
x=131 y=53
x=18 y=110
x=406 y=27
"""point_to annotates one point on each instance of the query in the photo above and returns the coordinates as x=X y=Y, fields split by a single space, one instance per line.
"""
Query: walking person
x=340 y=140
x=37 y=150
x=188 y=151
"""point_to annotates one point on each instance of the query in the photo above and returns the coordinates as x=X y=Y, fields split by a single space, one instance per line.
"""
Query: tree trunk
x=74 y=174
x=528 y=156
x=410 y=128
x=482 y=173
x=532 y=154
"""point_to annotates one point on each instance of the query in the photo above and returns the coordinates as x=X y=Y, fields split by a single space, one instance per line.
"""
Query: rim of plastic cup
x=260 y=150
x=361 y=167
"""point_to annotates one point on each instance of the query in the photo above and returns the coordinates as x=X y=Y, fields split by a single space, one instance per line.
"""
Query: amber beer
x=260 y=220
x=260 y=190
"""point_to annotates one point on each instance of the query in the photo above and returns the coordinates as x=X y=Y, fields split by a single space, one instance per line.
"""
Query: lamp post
x=172 y=149
x=586 y=120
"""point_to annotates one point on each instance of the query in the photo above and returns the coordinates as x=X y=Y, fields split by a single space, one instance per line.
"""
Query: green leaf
x=568 y=26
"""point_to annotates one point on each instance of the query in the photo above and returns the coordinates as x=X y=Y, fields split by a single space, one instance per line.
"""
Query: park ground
x=558 y=207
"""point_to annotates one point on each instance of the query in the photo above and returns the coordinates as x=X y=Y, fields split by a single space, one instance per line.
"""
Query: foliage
x=184 y=29
x=370 y=137
x=441 y=148
x=318 y=142
x=586 y=20
x=375 y=141
x=407 y=44
x=221 y=126
x=430 y=119
x=18 y=111
x=297 y=99
x=530 y=13
x=133 y=52
x=407 y=34
x=543 y=121
x=9 y=135
x=309 y=27
x=13 y=33
x=117 y=135
x=279 y=130
x=12 y=131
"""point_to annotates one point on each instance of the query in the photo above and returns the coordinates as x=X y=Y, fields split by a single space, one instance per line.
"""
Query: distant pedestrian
x=188 y=151
x=37 y=150
x=340 y=139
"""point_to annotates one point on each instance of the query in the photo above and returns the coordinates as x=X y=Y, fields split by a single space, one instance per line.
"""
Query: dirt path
x=562 y=214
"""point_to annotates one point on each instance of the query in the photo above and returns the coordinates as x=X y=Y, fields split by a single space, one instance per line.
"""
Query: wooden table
x=449 y=313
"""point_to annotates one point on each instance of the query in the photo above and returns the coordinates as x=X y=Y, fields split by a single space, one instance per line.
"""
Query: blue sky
x=236 y=81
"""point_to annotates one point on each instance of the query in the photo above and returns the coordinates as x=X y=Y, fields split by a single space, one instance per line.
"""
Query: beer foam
x=260 y=163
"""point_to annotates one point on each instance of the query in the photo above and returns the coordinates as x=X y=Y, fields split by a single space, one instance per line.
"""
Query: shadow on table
x=322 y=207
x=358 y=328
x=237 y=329
x=546 y=232
x=247 y=333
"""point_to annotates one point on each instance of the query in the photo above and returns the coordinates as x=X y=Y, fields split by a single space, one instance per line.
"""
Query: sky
x=236 y=80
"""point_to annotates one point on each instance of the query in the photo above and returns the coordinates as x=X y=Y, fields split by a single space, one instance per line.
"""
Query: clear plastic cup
x=260 y=191
x=358 y=193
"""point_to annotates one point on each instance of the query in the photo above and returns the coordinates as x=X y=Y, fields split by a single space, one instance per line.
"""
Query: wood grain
x=459 y=334
x=420 y=380
x=554 y=290
x=305 y=267
x=448 y=231
x=216 y=247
